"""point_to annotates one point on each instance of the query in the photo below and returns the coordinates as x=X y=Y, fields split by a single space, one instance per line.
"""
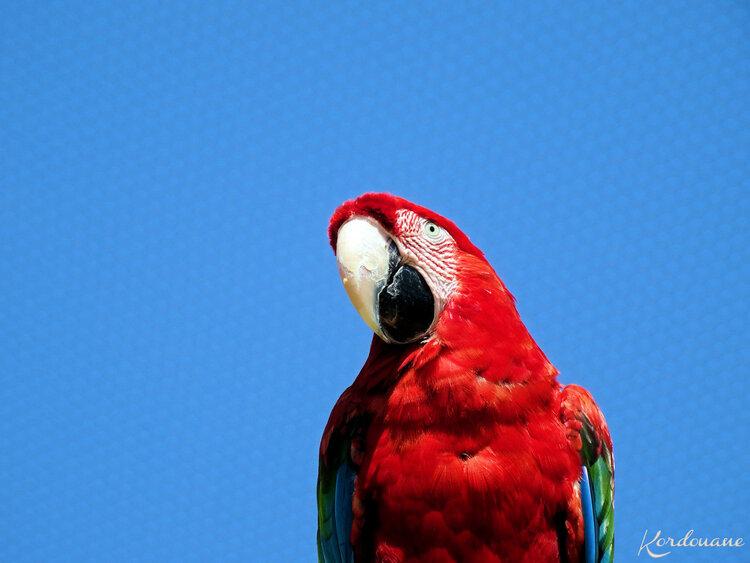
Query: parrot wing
x=336 y=475
x=588 y=433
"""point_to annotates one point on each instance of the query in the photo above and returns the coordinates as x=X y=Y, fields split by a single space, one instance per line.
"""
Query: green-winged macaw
x=455 y=443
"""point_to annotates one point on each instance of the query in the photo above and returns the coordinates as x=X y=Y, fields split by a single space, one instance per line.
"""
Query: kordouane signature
x=659 y=545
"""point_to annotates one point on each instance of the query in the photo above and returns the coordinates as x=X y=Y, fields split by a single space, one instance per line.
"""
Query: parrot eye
x=432 y=230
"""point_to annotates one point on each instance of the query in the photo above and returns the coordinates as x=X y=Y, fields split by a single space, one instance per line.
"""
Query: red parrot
x=455 y=443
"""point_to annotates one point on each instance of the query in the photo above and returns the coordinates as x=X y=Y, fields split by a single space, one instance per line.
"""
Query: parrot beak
x=362 y=255
x=391 y=297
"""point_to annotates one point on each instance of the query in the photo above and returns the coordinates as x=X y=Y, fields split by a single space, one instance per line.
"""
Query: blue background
x=173 y=331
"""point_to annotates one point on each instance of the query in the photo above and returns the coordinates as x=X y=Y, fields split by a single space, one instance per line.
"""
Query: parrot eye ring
x=432 y=230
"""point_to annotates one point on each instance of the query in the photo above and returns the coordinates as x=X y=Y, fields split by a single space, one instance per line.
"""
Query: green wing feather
x=336 y=476
x=588 y=432
x=597 y=457
x=326 y=503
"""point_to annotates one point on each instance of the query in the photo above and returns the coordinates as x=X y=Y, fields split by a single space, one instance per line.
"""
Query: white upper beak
x=362 y=256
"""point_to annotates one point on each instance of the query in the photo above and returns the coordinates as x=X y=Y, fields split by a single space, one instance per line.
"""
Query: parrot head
x=400 y=263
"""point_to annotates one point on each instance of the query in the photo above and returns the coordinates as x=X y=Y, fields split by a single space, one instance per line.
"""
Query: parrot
x=455 y=442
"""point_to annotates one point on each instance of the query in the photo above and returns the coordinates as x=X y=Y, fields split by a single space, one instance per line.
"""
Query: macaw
x=455 y=443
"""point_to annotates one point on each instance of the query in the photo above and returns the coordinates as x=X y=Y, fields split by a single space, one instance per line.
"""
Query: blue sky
x=173 y=330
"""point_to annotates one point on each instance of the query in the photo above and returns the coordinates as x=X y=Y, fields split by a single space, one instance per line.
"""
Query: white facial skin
x=431 y=251
x=362 y=257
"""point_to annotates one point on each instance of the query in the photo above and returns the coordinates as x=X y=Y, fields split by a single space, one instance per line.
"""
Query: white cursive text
x=660 y=544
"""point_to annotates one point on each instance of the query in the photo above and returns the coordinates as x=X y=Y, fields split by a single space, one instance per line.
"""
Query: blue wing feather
x=343 y=510
x=335 y=514
x=581 y=414
x=327 y=549
x=589 y=521
x=329 y=546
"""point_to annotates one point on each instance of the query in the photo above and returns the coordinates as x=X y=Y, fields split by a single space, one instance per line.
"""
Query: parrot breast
x=465 y=458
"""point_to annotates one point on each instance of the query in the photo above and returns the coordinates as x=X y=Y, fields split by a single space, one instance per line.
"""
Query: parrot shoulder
x=336 y=474
x=588 y=434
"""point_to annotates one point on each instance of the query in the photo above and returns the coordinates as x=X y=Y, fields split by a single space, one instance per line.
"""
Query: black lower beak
x=406 y=307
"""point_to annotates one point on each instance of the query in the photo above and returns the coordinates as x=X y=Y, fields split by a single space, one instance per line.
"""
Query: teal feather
x=597 y=460
x=335 y=492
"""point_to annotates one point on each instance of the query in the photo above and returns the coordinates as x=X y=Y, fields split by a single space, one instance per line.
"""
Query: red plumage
x=466 y=449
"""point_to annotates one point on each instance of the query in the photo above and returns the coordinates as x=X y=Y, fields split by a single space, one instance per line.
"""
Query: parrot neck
x=481 y=327
x=479 y=339
x=383 y=364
